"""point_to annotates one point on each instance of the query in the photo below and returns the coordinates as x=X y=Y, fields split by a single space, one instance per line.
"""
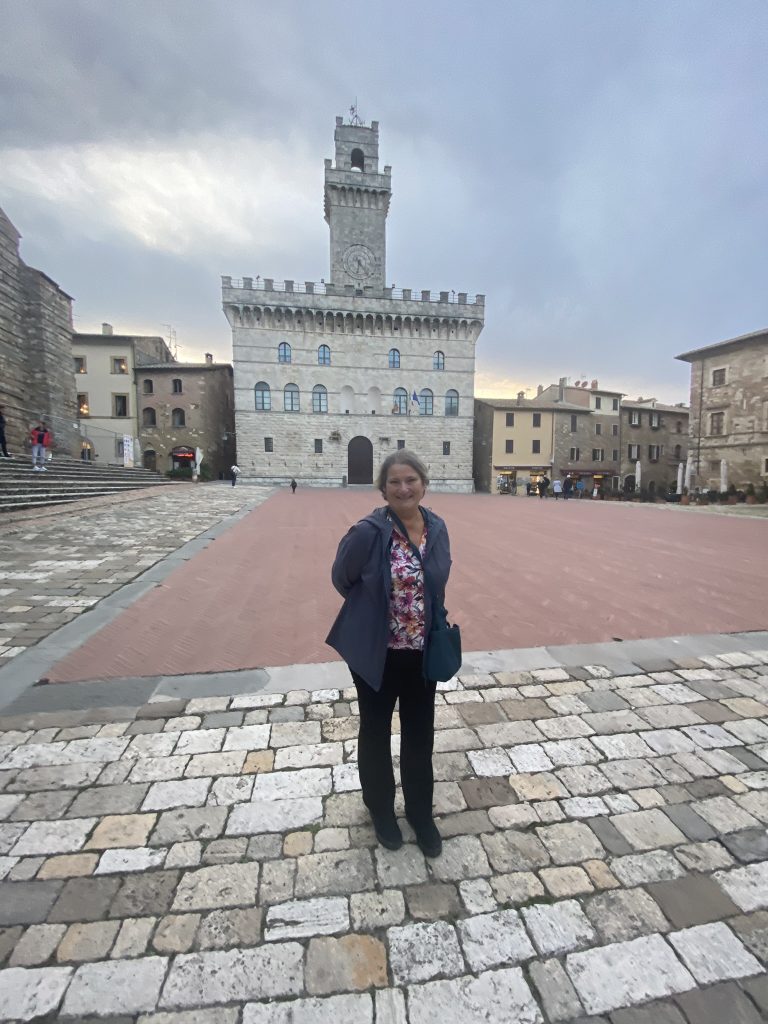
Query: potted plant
x=685 y=498
x=751 y=496
x=762 y=494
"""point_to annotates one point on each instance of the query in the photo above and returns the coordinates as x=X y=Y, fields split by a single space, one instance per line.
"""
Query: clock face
x=359 y=261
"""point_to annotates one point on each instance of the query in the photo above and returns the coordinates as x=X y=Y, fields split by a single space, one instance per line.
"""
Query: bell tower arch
x=357 y=199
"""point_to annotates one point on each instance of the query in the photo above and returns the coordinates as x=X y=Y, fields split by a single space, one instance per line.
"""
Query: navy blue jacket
x=362 y=575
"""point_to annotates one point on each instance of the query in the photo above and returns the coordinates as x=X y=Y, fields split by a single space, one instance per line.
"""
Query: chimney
x=561 y=389
x=520 y=397
x=208 y=357
x=107 y=329
x=539 y=390
x=593 y=385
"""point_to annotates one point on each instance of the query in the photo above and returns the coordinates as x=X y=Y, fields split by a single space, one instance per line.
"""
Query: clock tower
x=356 y=206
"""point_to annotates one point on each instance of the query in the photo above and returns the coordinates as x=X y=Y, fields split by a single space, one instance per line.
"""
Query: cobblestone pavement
x=54 y=569
x=209 y=861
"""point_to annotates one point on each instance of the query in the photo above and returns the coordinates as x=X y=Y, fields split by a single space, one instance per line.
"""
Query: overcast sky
x=597 y=168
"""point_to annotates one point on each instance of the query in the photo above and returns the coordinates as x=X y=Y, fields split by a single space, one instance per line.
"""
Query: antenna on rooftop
x=354 y=116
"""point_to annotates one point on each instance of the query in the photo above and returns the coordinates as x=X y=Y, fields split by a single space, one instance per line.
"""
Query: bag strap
x=437 y=609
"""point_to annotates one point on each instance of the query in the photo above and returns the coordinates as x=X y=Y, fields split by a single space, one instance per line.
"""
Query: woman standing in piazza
x=392 y=568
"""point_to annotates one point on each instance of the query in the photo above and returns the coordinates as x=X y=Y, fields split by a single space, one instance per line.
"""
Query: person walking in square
x=234 y=471
x=391 y=568
x=40 y=436
x=567 y=488
x=543 y=485
x=3 y=445
x=294 y=485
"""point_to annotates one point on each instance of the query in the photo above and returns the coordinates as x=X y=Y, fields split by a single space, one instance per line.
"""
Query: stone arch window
x=283 y=352
x=319 y=398
x=438 y=360
x=148 y=387
x=452 y=403
x=678 y=451
x=426 y=400
x=176 y=386
x=149 y=418
x=347 y=399
x=357 y=160
x=262 y=397
x=291 y=398
x=394 y=359
x=374 y=401
x=324 y=356
x=400 y=402
x=178 y=418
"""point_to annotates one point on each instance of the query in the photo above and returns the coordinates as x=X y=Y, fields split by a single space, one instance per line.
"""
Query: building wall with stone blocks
x=359 y=333
x=206 y=400
x=656 y=435
x=729 y=411
x=35 y=328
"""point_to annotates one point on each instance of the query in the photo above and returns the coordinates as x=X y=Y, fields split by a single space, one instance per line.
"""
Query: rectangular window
x=633 y=452
x=615 y=454
x=119 y=448
x=655 y=420
x=318 y=446
x=765 y=465
x=598 y=454
x=537 y=419
x=80 y=365
x=718 y=378
x=615 y=429
x=635 y=420
x=119 y=364
x=536 y=448
x=598 y=402
x=119 y=405
x=268 y=444
x=574 y=423
x=717 y=423
x=510 y=419
x=509 y=447
x=574 y=455
x=400 y=443
x=653 y=452
x=177 y=386
x=82 y=405
x=598 y=429
x=615 y=405
x=446 y=447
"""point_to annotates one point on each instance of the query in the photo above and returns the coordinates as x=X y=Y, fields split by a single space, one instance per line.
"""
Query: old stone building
x=729 y=412
x=107 y=403
x=183 y=407
x=35 y=336
x=332 y=377
x=656 y=436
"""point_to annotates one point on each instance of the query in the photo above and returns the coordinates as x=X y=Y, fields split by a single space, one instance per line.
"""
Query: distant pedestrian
x=543 y=485
x=294 y=485
x=234 y=472
x=580 y=487
x=567 y=488
x=528 y=488
x=40 y=436
x=2 y=435
x=557 y=489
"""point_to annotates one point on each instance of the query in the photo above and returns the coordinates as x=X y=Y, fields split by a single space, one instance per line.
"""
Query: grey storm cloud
x=596 y=168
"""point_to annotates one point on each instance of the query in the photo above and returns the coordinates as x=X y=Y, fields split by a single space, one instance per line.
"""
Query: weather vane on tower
x=354 y=117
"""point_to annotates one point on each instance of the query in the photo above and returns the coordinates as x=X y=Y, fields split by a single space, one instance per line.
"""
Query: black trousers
x=403 y=681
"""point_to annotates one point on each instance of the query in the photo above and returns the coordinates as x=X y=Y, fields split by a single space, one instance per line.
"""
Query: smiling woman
x=392 y=568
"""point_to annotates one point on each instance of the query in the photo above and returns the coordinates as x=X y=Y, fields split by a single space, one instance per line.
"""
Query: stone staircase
x=65 y=479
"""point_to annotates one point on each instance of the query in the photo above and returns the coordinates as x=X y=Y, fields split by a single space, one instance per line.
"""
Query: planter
x=751 y=499
x=733 y=500
x=685 y=499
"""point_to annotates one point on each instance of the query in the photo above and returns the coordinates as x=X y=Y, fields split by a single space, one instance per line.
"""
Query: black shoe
x=388 y=832
x=429 y=840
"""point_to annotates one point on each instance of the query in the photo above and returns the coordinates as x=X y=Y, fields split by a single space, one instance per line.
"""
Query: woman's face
x=403 y=490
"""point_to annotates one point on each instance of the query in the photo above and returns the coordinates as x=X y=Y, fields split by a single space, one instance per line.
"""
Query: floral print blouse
x=406 y=607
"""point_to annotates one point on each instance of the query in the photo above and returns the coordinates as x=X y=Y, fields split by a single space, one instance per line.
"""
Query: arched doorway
x=360 y=461
x=150 y=460
x=629 y=484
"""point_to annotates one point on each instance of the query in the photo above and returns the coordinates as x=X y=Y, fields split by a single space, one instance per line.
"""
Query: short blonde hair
x=402 y=457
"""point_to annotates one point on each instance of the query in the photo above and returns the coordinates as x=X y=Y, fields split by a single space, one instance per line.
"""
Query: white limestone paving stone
x=43 y=838
x=418 y=952
x=495 y=940
x=496 y=997
x=116 y=986
x=237 y=975
x=167 y=795
x=247 y=737
x=558 y=927
x=712 y=952
x=747 y=887
x=627 y=973
x=299 y=919
x=218 y=885
x=345 y=1009
x=290 y=785
x=262 y=816
x=26 y=994
x=118 y=860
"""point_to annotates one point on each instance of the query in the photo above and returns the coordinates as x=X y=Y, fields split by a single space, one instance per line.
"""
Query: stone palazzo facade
x=330 y=378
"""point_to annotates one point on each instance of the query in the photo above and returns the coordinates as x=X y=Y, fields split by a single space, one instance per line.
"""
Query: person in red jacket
x=40 y=436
